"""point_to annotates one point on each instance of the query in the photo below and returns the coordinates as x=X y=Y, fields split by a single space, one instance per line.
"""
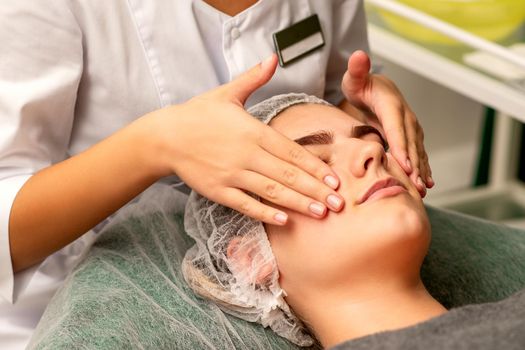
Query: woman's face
x=383 y=230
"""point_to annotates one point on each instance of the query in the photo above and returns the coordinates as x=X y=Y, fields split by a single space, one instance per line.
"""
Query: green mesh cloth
x=129 y=292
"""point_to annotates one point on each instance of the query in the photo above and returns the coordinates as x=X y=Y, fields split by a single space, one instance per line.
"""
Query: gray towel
x=498 y=325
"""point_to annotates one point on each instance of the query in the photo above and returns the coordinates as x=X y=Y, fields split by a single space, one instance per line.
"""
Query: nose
x=370 y=157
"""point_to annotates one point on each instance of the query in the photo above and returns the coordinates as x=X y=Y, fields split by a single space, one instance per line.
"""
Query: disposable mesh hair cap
x=232 y=263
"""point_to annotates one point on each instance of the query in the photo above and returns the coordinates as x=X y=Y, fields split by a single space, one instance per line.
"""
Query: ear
x=247 y=261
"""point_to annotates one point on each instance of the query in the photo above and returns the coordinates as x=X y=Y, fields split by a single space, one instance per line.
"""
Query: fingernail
x=281 y=218
x=331 y=181
x=317 y=208
x=267 y=62
x=409 y=165
x=420 y=182
x=334 y=202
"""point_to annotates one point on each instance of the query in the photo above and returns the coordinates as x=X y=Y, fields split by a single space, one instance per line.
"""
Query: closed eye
x=361 y=131
x=326 y=137
x=325 y=156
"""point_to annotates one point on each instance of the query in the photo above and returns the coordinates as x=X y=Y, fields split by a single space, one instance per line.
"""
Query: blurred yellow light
x=491 y=19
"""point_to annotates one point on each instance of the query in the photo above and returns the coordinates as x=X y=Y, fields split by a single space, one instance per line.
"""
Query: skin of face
x=371 y=244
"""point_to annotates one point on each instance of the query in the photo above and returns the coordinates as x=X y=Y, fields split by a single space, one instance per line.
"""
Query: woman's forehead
x=303 y=119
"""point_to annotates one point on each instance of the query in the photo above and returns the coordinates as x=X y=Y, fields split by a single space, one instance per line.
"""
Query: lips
x=383 y=188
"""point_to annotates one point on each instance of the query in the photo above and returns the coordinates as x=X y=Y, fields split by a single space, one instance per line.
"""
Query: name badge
x=298 y=40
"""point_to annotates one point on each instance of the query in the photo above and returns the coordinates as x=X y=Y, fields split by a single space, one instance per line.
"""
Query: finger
x=244 y=85
x=424 y=166
x=430 y=180
x=426 y=172
x=279 y=194
x=422 y=157
x=423 y=160
x=411 y=128
x=297 y=180
x=247 y=205
x=415 y=177
x=393 y=122
x=359 y=66
x=356 y=77
x=285 y=149
x=422 y=189
x=413 y=153
x=427 y=178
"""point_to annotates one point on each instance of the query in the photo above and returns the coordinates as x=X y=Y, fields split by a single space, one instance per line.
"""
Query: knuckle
x=227 y=176
x=413 y=120
x=261 y=135
x=290 y=176
x=398 y=106
x=395 y=128
x=296 y=154
x=272 y=190
x=415 y=160
x=244 y=207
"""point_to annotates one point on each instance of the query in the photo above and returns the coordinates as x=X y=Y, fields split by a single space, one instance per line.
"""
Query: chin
x=411 y=220
x=400 y=233
x=409 y=228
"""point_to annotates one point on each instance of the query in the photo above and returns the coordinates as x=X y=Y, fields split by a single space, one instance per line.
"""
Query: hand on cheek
x=401 y=127
x=409 y=180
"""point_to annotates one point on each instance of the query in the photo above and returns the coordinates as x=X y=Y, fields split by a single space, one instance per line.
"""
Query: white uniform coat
x=73 y=72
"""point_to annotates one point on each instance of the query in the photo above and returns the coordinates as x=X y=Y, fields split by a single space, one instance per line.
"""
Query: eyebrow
x=326 y=137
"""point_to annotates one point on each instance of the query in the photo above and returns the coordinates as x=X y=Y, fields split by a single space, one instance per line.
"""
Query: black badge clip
x=298 y=40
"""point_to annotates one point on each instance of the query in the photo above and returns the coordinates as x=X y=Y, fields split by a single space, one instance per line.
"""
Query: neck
x=231 y=8
x=339 y=316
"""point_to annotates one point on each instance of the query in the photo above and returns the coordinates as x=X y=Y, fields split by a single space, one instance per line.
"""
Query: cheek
x=311 y=251
x=294 y=243
x=395 y=170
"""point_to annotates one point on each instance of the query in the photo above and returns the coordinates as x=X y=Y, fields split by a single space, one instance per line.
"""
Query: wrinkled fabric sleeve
x=40 y=70
x=349 y=34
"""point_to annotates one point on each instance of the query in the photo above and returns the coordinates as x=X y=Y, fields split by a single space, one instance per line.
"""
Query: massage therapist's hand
x=402 y=129
x=221 y=151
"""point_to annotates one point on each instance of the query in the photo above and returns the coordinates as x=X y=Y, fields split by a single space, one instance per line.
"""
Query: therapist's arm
x=61 y=202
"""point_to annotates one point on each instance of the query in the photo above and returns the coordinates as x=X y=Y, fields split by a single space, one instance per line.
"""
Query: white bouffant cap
x=232 y=263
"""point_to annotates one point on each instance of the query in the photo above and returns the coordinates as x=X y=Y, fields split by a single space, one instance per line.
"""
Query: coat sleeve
x=40 y=69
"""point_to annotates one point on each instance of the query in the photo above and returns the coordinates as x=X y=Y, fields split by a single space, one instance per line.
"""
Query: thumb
x=245 y=84
x=356 y=77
